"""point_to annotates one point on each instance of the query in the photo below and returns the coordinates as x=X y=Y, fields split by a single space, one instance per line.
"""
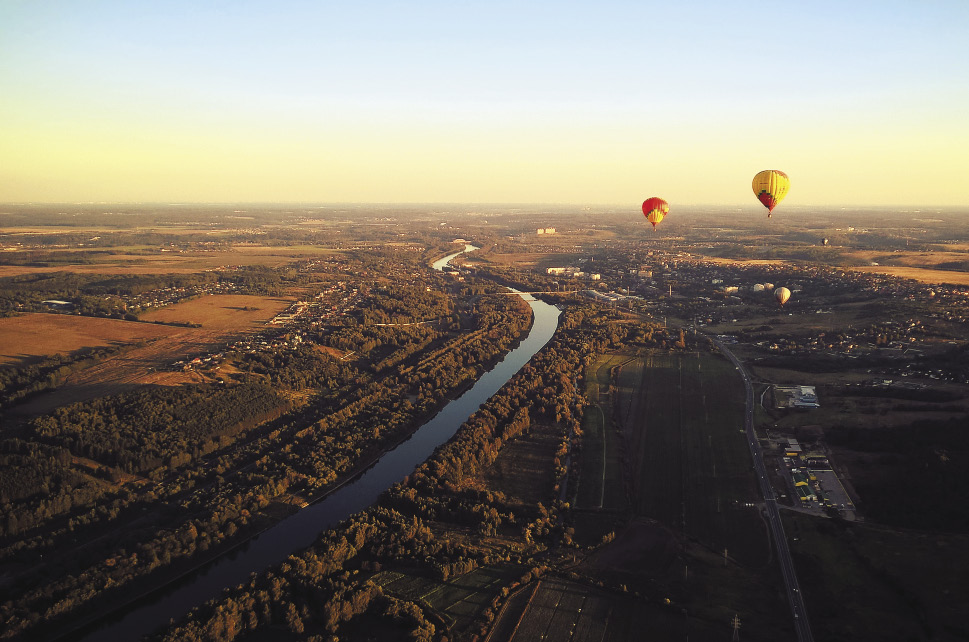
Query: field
x=222 y=313
x=131 y=261
x=459 y=600
x=924 y=275
x=223 y=317
x=687 y=469
x=27 y=337
x=521 y=470
x=560 y=609
x=913 y=583
x=600 y=478
x=671 y=425
x=688 y=463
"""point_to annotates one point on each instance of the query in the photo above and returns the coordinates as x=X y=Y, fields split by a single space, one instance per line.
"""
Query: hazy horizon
x=632 y=207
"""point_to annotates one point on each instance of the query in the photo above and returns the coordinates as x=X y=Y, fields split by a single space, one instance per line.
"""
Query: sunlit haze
x=860 y=103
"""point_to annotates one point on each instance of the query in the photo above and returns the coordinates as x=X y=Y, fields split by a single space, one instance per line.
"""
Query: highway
x=794 y=596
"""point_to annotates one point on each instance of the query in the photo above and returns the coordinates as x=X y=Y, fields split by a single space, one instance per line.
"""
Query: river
x=440 y=263
x=301 y=529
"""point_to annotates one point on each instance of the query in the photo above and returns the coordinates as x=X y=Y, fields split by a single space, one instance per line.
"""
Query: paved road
x=794 y=597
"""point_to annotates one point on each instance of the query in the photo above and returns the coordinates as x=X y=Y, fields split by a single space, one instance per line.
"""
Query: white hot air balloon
x=782 y=295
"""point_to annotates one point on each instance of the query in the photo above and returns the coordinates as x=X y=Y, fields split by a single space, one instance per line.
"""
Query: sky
x=860 y=102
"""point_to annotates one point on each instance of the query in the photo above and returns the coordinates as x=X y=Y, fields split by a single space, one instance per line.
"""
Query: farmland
x=27 y=337
x=561 y=609
x=600 y=477
x=916 y=595
x=926 y=275
x=152 y=260
x=692 y=491
x=222 y=317
x=689 y=466
x=222 y=313
x=676 y=419
x=521 y=470
x=460 y=600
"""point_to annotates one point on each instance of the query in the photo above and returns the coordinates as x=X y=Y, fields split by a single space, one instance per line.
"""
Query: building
x=55 y=304
x=796 y=397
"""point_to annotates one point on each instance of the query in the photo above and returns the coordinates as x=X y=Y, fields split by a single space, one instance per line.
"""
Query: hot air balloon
x=655 y=210
x=782 y=295
x=770 y=187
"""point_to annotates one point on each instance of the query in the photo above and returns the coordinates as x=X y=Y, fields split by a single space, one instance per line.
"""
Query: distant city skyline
x=860 y=103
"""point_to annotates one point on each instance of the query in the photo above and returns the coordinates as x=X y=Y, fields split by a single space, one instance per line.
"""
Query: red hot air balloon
x=655 y=210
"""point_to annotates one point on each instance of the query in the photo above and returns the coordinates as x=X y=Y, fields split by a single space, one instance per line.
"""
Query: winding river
x=301 y=529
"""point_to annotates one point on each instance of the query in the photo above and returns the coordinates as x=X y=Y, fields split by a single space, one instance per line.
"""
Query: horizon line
x=745 y=205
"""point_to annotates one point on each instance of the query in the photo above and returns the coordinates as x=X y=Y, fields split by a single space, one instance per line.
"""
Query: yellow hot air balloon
x=770 y=187
x=782 y=295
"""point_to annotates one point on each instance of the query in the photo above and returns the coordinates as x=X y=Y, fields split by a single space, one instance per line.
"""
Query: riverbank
x=357 y=491
x=145 y=590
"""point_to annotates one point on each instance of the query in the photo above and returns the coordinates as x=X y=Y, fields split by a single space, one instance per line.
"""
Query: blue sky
x=606 y=102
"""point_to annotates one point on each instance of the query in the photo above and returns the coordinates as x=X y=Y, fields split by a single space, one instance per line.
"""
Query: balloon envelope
x=770 y=187
x=655 y=210
x=782 y=295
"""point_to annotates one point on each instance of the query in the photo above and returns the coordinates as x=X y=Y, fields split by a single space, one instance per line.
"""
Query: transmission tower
x=735 y=623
